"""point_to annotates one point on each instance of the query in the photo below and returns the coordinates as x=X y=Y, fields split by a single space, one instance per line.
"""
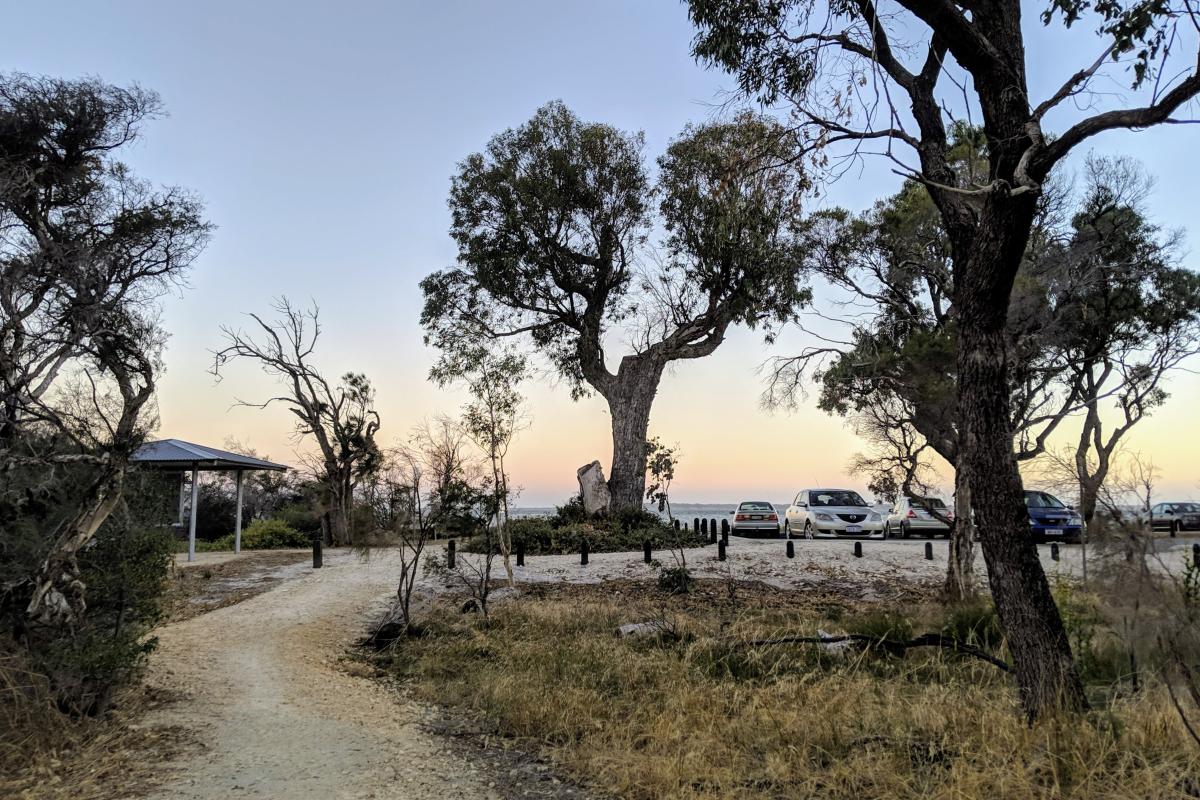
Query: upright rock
x=593 y=488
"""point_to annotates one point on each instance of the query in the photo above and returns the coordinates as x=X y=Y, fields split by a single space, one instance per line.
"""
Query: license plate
x=756 y=516
x=1053 y=531
x=854 y=529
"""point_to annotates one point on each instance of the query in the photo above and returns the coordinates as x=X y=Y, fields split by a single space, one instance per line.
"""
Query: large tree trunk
x=1045 y=671
x=629 y=403
x=960 y=569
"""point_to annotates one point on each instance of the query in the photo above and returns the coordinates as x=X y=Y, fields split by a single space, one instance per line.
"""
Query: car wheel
x=808 y=531
x=904 y=531
x=887 y=530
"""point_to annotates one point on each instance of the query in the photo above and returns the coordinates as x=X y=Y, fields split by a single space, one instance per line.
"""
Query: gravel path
x=277 y=714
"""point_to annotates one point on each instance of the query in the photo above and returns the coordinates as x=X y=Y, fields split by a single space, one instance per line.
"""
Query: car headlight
x=874 y=517
x=1075 y=520
x=824 y=517
x=1032 y=522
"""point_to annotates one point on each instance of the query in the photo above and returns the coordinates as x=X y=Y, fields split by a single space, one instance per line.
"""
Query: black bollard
x=724 y=526
x=583 y=554
x=646 y=551
x=858 y=549
x=725 y=539
x=318 y=559
x=696 y=524
x=675 y=524
x=1054 y=550
x=791 y=549
x=450 y=548
x=704 y=526
x=721 y=550
x=929 y=551
x=712 y=526
x=1196 y=554
x=521 y=554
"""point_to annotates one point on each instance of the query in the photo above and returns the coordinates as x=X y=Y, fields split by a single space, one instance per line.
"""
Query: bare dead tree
x=340 y=419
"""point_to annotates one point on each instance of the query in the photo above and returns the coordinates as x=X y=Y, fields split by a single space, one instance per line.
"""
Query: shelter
x=175 y=454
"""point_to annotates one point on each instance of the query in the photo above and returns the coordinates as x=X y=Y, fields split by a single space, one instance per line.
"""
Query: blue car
x=1050 y=519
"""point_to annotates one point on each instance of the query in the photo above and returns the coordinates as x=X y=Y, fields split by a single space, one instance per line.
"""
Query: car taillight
x=949 y=515
x=912 y=514
x=740 y=518
x=773 y=518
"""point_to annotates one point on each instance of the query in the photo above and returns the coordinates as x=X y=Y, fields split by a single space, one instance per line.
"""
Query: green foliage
x=126 y=568
x=675 y=580
x=975 y=623
x=267 y=534
x=556 y=536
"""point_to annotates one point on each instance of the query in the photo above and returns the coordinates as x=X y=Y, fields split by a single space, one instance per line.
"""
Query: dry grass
x=708 y=716
x=45 y=754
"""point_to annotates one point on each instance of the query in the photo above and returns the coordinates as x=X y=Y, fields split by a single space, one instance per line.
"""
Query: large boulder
x=593 y=488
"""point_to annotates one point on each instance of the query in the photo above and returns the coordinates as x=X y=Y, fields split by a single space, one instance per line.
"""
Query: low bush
x=267 y=534
x=564 y=532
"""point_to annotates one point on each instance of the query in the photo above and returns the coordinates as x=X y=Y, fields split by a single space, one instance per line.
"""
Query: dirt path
x=277 y=714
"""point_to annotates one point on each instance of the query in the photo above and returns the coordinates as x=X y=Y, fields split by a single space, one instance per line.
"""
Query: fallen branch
x=893 y=646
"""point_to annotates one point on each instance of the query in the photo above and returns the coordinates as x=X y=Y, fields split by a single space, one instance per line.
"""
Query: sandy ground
x=280 y=717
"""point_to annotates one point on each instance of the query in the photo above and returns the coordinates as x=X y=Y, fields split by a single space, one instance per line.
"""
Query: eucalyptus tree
x=87 y=251
x=856 y=74
x=567 y=243
x=339 y=418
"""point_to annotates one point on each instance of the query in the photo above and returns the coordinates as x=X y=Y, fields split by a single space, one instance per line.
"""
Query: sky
x=322 y=138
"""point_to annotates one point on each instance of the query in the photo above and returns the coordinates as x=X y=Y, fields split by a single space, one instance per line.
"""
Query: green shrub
x=975 y=623
x=675 y=580
x=267 y=534
x=542 y=536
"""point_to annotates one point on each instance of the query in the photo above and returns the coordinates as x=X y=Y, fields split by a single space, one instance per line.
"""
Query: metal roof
x=178 y=454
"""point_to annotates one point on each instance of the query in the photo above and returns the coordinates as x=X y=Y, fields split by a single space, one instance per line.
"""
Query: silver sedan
x=755 y=518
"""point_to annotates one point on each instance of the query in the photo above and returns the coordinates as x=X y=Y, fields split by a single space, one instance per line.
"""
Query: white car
x=831 y=512
x=918 y=516
x=755 y=518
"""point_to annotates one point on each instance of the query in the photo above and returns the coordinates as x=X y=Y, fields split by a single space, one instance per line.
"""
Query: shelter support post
x=237 y=523
x=192 y=514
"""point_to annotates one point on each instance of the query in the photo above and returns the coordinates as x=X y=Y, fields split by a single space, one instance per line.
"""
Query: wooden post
x=929 y=551
x=858 y=549
x=450 y=548
x=721 y=550
x=791 y=549
x=318 y=558
x=583 y=553
x=646 y=551
x=521 y=553
x=1054 y=551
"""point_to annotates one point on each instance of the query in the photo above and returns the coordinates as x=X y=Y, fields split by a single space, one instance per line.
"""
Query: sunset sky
x=322 y=137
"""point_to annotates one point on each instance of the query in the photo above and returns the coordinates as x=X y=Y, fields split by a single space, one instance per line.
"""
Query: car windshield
x=1042 y=500
x=756 y=505
x=837 y=498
